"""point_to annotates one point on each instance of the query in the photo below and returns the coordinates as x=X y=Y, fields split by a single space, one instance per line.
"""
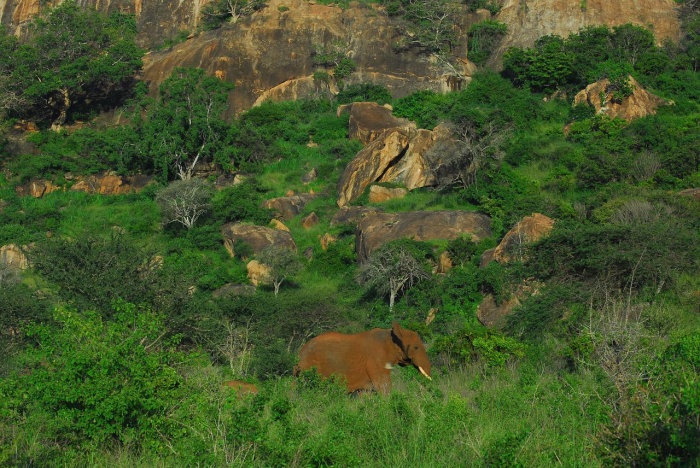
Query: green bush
x=93 y=381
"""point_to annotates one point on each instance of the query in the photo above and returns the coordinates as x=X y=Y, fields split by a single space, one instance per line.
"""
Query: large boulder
x=352 y=214
x=529 y=229
x=106 y=183
x=399 y=155
x=257 y=237
x=379 y=194
x=370 y=163
x=368 y=120
x=288 y=207
x=12 y=257
x=639 y=104
x=376 y=229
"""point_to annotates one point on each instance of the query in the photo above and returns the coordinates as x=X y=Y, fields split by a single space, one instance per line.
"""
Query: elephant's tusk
x=424 y=373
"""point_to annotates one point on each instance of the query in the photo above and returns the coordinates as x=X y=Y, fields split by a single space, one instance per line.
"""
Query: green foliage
x=184 y=125
x=476 y=343
x=185 y=201
x=428 y=25
x=92 y=381
x=364 y=92
x=72 y=58
x=216 y=13
x=484 y=38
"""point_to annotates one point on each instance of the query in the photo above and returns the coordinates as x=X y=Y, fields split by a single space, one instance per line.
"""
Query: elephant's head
x=413 y=349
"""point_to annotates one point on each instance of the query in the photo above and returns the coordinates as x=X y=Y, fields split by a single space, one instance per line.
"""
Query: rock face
x=352 y=214
x=13 y=258
x=530 y=229
x=379 y=194
x=105 y=184
x=376 y=229
x=529 y=20
x=640 y=104
x=257 y=237
x=288 y=207
x=270 y=54
x=398 y=155
x=258 y=273
x=368 y=120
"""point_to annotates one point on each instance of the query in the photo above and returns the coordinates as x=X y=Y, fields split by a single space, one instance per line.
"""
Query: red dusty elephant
x=242 y=388
x=365 y=359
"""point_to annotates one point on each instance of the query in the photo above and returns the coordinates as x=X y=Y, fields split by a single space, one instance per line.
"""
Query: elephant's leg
x=381 y=379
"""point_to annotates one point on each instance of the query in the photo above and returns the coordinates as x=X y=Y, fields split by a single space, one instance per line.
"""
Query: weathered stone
x=528 y=21
x=639 y=104
x=310 y=221
x=233 y=290
x=378 y=228
x=258 y=273
x=529 y=229
x=36 y=188
x=309 y=176
x=444 y=264
x=326 y=240
x=368 y=120
x=370 y=163
x=493 y=315
x=691 y=192
x=257 y=237
x=415 y=168
x=486 y=257
x=352 y=214
x=379 y=194
x=13 y=257
x=290 y=206
x=277 y=224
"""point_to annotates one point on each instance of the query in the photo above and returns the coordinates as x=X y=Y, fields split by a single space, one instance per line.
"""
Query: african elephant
x=365 y=359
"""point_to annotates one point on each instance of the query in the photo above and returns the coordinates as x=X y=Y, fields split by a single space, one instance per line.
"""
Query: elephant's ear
x=397 y=331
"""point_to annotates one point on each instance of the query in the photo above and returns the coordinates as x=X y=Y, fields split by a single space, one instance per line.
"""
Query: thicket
x=118 y=338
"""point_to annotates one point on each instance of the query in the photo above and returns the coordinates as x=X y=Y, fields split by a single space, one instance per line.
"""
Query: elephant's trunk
x=424 y=373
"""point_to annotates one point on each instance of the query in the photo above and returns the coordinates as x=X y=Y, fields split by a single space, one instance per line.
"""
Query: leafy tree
x=282 y=264
x=94 y=380
x=391 y=270
x=185 y=124
x=185 y=201
x=484 y=37
x=71 y=58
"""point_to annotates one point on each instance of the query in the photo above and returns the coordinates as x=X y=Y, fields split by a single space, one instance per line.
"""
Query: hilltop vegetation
x=117 y=338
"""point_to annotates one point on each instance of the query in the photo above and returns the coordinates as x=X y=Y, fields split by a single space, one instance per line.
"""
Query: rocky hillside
x=270 y=54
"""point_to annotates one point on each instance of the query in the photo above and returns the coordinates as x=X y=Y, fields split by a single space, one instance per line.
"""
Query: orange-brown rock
x=326 y=240
x=379 y=194
x=13 y=257
x=352 y=214
x=415 y=168
x=378 y=228
x=258 y=273
x=691 y=192
x=493 y=315
x=309 y=221
x=529 y=20
x=368 y=120
x=639 y=104
x=277 y=224
x=529 y=229
x=37 y=188
x=444 y=264
x=288 y=207
x=257 y=237
x=370 y=163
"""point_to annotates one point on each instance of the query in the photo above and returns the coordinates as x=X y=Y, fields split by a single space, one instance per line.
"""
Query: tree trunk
x=63 y=114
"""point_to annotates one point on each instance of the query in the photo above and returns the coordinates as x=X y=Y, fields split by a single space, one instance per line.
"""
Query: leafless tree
x=391 y=270
x=185 y=201
x=471 y=150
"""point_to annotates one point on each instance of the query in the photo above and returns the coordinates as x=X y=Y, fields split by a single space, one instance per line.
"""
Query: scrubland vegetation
x=115 y=347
